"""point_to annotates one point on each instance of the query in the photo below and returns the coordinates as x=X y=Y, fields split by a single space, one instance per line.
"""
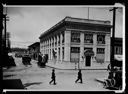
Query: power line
x=23 y=41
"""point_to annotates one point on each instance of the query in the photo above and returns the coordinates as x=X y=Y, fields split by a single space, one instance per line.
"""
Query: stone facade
x=71 y=37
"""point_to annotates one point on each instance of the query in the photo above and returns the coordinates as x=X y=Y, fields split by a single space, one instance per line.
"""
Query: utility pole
x=88 y=13
x=113 y=38
x=5 y=19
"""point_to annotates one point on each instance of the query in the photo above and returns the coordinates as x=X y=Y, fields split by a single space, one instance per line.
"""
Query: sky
x=27 y=23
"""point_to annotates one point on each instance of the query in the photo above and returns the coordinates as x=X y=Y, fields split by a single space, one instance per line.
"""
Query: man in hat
x=79 y=77
x=53 y=77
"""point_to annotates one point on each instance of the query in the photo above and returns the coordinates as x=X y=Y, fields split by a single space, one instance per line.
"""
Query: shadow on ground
x=34 y=83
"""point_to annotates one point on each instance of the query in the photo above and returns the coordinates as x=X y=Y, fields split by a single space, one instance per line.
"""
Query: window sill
x=101 y=44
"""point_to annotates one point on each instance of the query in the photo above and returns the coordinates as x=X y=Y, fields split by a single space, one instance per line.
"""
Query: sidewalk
x=72 y=66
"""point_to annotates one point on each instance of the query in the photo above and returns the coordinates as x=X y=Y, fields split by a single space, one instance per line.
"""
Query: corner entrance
x=88 y=53
x=88 y=61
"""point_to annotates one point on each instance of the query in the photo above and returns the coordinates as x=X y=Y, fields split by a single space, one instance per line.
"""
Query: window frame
x=88 y=38
x=101 y=52
x=75 y=37
x=100 y=39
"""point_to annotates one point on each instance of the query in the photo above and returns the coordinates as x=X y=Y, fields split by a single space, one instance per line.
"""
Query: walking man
x=53 y=77
x=79 y=77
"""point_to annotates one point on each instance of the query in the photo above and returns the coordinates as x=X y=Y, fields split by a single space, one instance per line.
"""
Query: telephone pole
x=113 y=38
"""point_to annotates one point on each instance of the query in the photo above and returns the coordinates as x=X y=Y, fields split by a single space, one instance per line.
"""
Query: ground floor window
x=58 y=53
x=62 y=53
x=100 y=56
x=75 y=54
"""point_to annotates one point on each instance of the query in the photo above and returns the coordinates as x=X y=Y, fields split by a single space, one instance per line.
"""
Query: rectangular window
x=75 y=49
x=100 y=50
x=88 y=38
x=75 y=37
x=101 y=39
x=75 y=54
x=63 y=38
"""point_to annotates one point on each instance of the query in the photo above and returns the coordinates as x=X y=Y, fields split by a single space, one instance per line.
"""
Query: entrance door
x=88 y=61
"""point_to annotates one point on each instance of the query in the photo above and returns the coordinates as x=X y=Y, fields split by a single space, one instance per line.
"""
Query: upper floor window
x=100 y=51
x=88 y=38
x=63 y=37
x=75 y=37
x=101 y=39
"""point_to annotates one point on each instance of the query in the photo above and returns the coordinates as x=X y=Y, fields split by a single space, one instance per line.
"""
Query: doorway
x=88 y=61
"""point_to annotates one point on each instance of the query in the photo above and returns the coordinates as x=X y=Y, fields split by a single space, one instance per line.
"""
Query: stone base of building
x=80 y=65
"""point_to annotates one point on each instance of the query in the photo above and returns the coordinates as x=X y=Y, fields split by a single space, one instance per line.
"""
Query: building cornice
x=72 y=20
x=87 y=31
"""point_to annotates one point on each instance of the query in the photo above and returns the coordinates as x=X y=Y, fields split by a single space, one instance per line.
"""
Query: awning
x=118 y=57
x=88 y=53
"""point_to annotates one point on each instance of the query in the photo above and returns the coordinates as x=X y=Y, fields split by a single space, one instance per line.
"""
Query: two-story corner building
x=78 y=40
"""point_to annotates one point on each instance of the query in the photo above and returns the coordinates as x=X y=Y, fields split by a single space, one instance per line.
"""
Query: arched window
x=88 y=38
x=75 y=37
x=101 y=39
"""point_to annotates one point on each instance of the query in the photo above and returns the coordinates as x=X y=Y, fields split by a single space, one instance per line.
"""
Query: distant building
x=34 y=50
x=78 y=40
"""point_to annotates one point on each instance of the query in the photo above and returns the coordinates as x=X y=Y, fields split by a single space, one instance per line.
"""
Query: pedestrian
x=39 y=59
x=79 y=77
x=53 y=77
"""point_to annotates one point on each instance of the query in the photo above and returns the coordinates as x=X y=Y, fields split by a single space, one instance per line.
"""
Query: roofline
x=34 y=43
x=66 y=19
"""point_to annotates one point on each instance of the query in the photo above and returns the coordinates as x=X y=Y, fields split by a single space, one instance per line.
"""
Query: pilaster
x=67 y=46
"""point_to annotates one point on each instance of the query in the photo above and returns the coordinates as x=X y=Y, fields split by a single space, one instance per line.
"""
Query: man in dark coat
x=79 y=77
x=53 y=77
x=39 y=59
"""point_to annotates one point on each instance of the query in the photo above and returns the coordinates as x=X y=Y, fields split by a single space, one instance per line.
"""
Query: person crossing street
x=79 y=77
x=53 y=77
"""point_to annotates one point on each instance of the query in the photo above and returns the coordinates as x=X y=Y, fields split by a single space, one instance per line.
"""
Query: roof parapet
x=78 y=20
x=91 y=21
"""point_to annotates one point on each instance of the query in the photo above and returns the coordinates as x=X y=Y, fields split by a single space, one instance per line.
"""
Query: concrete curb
x=73 y=69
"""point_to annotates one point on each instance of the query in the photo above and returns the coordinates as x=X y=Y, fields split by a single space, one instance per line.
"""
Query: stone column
x=94 y=45
x=81 y=46
x=51 y=48
x=67 y=45
x=57 y=48
x=107 y=48
x=54 y=42
x=61 y=46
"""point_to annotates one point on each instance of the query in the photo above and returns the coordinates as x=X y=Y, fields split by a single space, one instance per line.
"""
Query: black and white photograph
x=63 y=48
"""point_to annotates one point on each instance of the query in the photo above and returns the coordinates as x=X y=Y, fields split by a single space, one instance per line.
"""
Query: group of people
x=53 y=77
